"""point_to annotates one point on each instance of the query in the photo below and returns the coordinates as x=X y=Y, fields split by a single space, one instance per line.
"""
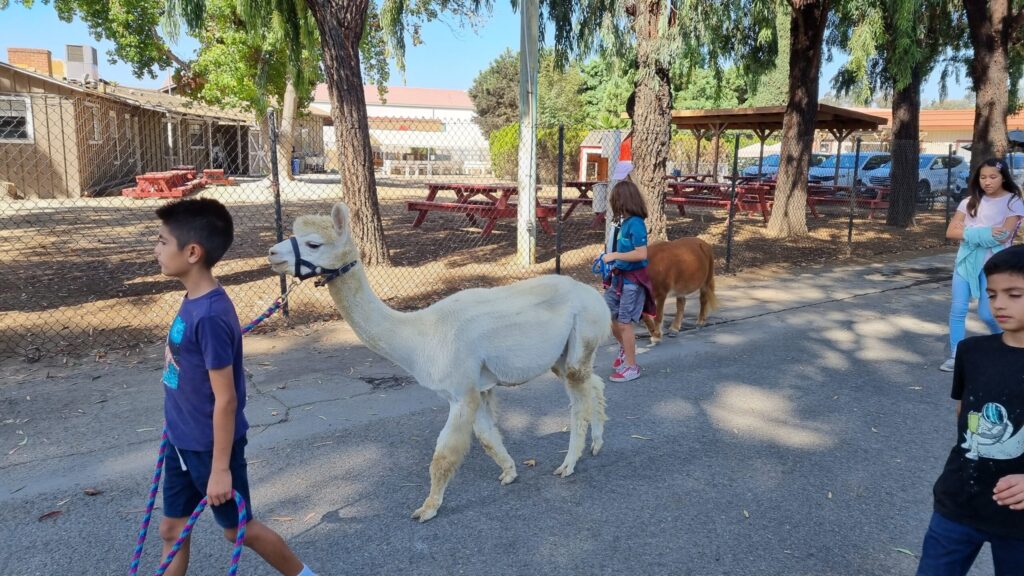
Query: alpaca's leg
x=452 y=445
x=597 y=415
x=489 y=435
x=577 y=384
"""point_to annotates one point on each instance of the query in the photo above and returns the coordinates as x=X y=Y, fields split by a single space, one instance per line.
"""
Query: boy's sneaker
x=619 y=360
x=948 y=365
x=626 y=374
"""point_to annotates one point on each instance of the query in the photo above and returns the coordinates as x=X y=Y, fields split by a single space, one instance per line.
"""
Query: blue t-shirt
x=204 y=336
x=632 y=235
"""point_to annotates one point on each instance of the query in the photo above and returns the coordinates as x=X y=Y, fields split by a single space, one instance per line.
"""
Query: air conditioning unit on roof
x=82 y=63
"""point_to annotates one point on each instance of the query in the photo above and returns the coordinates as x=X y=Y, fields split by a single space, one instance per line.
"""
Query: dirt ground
x=80 y=276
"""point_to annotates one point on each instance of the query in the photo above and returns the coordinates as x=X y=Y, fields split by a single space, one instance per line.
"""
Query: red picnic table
x=170 y=184
x=840 y=195
x=750 y=198
x=489 y=201
x=691 y=178
x=584 y=188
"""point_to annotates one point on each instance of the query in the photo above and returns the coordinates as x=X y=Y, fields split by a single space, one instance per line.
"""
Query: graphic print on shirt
x=171 y=353
x=990 y=434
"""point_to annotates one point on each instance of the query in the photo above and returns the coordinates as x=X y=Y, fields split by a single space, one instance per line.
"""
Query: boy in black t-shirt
x=979 y=497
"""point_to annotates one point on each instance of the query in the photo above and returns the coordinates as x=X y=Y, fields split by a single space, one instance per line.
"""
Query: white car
x=960 y=187
x=934 y=172
x=825 y=173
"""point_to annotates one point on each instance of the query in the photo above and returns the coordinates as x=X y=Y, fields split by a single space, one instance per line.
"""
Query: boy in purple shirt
x=204 y=388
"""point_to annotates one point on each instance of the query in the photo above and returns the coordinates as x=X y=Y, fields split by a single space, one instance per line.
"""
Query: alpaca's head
x=324 y=241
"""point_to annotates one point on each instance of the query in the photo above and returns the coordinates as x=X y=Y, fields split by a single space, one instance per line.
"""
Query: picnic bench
x=216 y=176
x=840 y=195
x=491 y=202
x=169 y=184
x=750 y=198
x=691 y=178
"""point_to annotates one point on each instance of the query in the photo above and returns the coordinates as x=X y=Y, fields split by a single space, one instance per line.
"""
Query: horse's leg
x=677 y=322
x=706 y=296
x=490 y=437
x=452 y=445
x=576 y=384
x=654 y=326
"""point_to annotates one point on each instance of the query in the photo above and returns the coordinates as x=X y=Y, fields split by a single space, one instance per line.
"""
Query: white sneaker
x=626 y=374
x=948 y=365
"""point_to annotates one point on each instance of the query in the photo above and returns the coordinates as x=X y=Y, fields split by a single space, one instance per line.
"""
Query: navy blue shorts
x=185 y=486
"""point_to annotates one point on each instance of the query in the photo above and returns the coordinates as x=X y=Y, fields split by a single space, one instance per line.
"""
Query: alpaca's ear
x=339 y=216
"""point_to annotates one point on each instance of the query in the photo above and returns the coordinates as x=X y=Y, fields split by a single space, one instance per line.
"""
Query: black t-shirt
x=989 y=382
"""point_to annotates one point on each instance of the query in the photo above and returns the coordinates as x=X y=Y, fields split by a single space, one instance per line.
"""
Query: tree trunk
x=652 y=117
x=286 y=133
x=340 y=23
x=906 y=148
x=807 y=31
x=990 y=27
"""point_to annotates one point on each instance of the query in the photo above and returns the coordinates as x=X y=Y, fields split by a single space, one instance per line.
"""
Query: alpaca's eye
x=313 y=245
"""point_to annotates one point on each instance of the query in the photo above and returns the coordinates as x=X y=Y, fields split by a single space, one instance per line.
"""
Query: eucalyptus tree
x=893 y=46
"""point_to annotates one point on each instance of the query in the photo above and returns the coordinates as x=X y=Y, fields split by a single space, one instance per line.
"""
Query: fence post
x=732 y=202
x=853 y=196
x=275 y=187
x=949 y=184
x=558 y=199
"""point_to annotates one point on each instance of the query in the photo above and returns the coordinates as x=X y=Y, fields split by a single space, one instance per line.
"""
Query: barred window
x=92 y=115
x=196 y=141
x=15 y=119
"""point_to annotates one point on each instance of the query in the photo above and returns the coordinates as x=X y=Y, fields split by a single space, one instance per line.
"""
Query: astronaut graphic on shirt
x=171 y=368
x=990 y=434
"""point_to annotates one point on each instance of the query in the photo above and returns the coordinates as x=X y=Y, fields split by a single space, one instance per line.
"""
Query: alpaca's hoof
x=595 y=446
x=564 y=470
x=507 y=477
x=424 y=513
x=672 y=333
x=655 y=340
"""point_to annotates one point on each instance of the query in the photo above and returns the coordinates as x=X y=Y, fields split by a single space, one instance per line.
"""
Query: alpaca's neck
x=377 y=325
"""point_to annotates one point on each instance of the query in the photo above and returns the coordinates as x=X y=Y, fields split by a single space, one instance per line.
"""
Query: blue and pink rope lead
x=154 y=487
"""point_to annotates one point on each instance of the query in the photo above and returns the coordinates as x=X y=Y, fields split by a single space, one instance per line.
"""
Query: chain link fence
x=80 y=179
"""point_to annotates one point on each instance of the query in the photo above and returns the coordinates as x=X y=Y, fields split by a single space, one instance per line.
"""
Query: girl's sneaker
x=620 y=360
x=626 y=374
x=948 y=365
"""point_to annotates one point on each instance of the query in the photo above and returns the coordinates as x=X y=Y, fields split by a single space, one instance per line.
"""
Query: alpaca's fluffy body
x=464 y=345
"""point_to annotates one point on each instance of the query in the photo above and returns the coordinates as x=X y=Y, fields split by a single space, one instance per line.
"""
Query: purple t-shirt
x=204 y=336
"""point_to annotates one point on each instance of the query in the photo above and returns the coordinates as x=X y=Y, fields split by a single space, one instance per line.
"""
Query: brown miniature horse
x=678 y=268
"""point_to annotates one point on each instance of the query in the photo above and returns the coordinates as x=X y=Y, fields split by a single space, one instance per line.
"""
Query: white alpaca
x=466 y=344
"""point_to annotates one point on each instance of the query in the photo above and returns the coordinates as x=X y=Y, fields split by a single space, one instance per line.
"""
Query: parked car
x=770 y=166
x=933 y=172
x=964 y=173
x=825 y=173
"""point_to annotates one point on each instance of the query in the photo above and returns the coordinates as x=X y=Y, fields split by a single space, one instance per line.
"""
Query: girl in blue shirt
x=626 y=293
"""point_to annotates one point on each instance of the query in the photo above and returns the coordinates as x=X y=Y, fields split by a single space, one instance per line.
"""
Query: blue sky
x=450 y=57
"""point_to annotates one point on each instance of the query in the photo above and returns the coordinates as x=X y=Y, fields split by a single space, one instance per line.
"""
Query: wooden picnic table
x=488 y=201
x=691 y=178
x=840 y=195
x=584 y=188
x=750 y=198
x=169 y=184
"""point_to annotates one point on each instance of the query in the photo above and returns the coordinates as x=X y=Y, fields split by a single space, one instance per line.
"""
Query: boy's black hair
x=202 y=221
x=1009 y=261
